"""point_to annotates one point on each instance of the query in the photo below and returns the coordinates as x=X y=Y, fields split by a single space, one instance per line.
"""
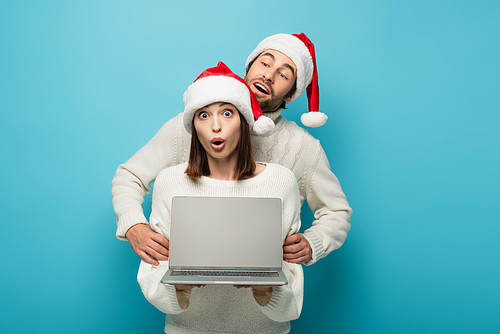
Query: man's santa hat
x=220 y=84
x=301 y=51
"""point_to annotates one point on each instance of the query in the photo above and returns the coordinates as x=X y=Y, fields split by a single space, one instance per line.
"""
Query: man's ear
x=245 y=74
x=287 y=99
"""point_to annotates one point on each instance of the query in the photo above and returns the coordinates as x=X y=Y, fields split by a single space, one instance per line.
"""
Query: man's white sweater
x=290 y=146
x=225 y=309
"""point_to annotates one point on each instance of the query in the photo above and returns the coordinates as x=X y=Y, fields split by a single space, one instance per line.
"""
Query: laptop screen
x=226 y=232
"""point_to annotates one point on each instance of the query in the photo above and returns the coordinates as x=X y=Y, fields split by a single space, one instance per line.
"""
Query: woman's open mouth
x=217 y=143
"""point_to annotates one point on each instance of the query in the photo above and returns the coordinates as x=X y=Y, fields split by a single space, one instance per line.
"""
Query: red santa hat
x=300 y=50
x=220 y=84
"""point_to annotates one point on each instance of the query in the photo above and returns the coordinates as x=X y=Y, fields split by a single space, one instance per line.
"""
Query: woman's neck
x=222 y=169
x=225 y=171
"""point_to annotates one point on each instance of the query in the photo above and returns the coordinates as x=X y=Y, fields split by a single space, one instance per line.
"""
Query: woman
x=219 y=112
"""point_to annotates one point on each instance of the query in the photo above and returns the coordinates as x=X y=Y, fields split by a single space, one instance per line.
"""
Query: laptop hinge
x=183 y=268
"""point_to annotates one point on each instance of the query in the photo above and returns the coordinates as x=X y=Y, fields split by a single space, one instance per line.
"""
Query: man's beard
x=269 y=105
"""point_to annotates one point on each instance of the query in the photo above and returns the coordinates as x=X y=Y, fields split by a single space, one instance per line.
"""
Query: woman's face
x=218 y=129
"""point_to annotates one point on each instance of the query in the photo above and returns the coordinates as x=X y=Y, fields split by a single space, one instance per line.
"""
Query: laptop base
x=238 y=279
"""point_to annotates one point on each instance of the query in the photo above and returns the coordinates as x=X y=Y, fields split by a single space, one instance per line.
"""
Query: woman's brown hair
x=245 y=165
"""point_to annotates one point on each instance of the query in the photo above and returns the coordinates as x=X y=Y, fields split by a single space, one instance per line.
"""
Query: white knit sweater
x=225 y=309
x=290 y=146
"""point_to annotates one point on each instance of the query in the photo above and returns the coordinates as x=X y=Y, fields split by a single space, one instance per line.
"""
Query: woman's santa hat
x=220 y=84
x=301 y=51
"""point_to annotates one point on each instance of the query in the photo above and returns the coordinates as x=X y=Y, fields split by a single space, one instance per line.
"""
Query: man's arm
x=132 y=182
x=331 y=210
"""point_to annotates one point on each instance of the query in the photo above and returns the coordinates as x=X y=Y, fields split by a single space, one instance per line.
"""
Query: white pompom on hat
x=300 y=50
x=220 y=84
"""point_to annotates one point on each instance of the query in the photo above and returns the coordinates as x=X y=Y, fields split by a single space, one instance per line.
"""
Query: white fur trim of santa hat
x=313 y=119
x=220 y=84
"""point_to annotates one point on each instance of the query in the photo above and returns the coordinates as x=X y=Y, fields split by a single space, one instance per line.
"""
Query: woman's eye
x=203 y=115
x=227 y=113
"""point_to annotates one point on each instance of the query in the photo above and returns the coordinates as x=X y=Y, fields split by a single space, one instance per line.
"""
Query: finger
x=303 y=255
x=297 y=260
x=295 y=248
x=157 y=246
x=292 y=239
x=151 y=247
x=157 y=252
x=147 y=258
x=292 y=256
x=149 y=254
x=181 y=287
x=160 y=239
x=298 y=257
x=291 y=249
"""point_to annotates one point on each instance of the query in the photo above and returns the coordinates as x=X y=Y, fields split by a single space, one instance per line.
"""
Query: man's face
x=271 y=77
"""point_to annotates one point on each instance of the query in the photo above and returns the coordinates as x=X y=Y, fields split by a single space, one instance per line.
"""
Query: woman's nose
x=216 y=126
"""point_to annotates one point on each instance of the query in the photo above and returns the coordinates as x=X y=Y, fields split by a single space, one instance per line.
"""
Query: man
x=277 y=71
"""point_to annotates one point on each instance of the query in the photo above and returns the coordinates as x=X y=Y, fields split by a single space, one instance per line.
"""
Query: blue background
x=412 y=92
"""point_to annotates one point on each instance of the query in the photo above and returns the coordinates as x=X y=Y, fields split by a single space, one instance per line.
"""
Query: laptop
x=225 y=240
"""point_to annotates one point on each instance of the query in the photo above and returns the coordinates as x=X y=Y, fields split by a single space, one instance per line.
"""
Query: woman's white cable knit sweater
x=225 y=309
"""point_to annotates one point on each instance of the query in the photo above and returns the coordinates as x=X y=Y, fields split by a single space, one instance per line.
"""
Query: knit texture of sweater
x=290 y=146
x=225 y=309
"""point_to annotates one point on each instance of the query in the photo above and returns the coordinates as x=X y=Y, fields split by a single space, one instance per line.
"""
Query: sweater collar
x=273 y=114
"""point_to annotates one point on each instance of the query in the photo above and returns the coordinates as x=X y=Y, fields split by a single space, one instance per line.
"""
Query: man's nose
x=268 y=76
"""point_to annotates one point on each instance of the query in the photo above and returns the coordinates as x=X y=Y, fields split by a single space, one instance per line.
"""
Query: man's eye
x=283 y=76
x=265 y=64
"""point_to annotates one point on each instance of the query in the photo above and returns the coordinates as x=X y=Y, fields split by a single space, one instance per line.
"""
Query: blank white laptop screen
x=225 y=233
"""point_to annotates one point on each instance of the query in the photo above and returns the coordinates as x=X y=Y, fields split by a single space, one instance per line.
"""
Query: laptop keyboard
x=225 y=273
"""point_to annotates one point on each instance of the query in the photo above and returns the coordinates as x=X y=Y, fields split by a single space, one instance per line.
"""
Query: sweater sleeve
x=163 y=296
x=285 y=302
x=133 y=178
x=331 y=210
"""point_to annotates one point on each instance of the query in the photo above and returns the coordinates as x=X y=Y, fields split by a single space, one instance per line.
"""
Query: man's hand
x=148 y=244
x=296 y=249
